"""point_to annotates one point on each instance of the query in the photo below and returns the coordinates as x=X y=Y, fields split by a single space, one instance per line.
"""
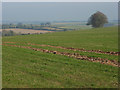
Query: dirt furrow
x=75 y=49
x=73 y=55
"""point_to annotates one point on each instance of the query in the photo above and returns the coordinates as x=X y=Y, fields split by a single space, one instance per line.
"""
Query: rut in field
x=73 y=55
x=75 y=49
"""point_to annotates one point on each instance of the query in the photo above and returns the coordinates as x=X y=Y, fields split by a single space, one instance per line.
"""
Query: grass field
x=27 y=68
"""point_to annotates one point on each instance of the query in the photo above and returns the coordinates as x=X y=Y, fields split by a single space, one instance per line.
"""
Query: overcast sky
x=59 y=0
x=51 y=11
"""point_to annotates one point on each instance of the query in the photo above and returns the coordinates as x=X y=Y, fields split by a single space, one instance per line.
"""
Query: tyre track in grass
x=74 y=49
x=73 y=55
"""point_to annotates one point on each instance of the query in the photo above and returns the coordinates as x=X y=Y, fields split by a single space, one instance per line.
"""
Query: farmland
x=28 y=28
x=26 y=31
x=76 y=59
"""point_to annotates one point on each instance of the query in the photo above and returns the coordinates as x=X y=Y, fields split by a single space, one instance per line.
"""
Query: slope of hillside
x=58 y=59
x=102 y=38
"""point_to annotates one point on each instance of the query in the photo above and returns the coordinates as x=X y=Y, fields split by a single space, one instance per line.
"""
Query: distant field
x=26 y=31
x=52 y=60
x=69 y=23
x=72 y=25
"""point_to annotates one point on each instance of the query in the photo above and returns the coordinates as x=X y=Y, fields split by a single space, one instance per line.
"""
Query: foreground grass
x=34 y=69
x=24 y=68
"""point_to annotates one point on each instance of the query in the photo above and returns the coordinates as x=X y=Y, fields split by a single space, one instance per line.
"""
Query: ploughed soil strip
x=76 y=49
x=73 y=55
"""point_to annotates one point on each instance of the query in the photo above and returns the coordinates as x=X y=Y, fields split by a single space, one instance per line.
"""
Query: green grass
x=76 y=27
x=105 y=39
x=41 y=70
x=25 y=68
x=92 y=54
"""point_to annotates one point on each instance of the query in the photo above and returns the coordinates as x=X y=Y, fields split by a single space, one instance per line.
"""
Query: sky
x=56 y=11
x=59 y=0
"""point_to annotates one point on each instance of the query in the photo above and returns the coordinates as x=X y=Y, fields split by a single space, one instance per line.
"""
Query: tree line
x=26 y=26
x=8 y=33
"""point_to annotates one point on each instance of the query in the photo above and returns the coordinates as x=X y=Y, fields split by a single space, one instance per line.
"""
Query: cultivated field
x=26 y=31
x=71 y=59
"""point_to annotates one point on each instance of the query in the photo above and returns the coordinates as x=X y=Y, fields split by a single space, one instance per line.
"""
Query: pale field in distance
x=26 y=31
